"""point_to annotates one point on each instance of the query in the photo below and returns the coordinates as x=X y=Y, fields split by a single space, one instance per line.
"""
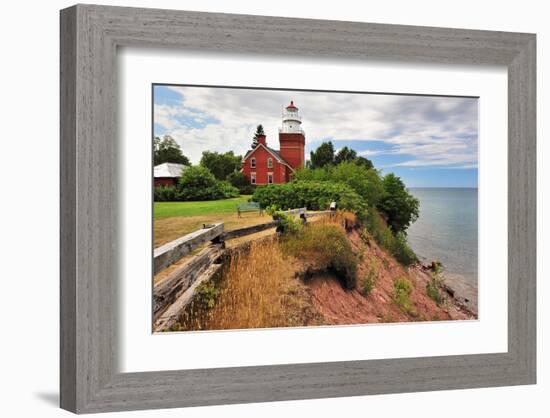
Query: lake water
x=446 y=230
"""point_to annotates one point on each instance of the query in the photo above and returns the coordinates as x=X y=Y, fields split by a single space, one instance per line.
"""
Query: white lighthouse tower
x=292 y=121
x=292 y=139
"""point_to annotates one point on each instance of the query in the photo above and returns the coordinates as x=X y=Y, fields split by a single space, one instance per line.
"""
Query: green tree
x=198 y=183
x=322 y=156
x=345 y=155
x=167 y=150
x=400 y=207
x=364 y=162
x=366 y=182
x=221 y=165
x=239 y=180
x=259 y=131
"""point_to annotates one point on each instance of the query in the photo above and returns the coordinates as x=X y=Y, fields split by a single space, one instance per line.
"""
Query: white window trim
x=270 y=174
x=253 y=162
x=270 y=162
x=253 y=178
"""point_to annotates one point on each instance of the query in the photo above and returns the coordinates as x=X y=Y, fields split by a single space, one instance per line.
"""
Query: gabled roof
x=168 y=170
x=272 y=151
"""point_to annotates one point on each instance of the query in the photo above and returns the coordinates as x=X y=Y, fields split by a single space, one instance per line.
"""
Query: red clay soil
x=340 y=307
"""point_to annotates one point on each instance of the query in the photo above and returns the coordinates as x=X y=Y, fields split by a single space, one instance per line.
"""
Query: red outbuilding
x=167 y=174
x=265 y=165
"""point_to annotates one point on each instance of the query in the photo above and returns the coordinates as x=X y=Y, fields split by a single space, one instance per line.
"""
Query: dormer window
x=253 y=162
x=270 y=163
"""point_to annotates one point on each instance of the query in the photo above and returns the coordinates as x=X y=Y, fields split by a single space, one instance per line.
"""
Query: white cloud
x=431 y=131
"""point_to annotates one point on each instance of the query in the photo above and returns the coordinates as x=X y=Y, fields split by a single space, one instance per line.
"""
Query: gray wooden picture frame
x=90 y=36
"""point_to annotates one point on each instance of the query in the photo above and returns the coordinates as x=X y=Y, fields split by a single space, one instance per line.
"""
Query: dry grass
x=325 y=247
x=258 y=290
x=168 y=229
x=344 y=218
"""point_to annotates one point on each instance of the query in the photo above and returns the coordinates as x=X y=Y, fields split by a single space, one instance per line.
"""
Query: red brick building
x=265 y=165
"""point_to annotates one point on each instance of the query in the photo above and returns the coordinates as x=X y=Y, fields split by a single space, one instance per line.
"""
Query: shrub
x=206 y=295
x=326 y=246
x=402 y=289
x=311 y=194
x=228 y=189
x=165 y=193
x=364 y=181
x=368 y=282
x=198 y=183
x=239 y=180
x=432 y=290
x=395 y=243
x=433 y=287
x=288 y=224
x=401 y=250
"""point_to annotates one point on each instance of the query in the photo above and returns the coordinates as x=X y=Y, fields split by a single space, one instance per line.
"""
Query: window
x=270 y=178
x=253 y=162
x=270 y=163
x=253 y=178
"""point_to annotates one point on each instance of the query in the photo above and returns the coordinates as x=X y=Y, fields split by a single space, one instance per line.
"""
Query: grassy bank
x=171 y=209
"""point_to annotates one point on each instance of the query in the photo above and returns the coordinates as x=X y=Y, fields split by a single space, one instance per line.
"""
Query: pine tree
x=259 y=131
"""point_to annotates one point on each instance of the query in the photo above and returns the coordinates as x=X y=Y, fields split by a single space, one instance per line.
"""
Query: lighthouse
x=265 y=165
x=292 y=138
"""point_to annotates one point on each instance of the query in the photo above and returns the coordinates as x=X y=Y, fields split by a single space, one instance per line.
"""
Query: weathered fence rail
x=236 y=233
x=174 y=293
x=173 y=313
x=168 y=290
x=171 y=252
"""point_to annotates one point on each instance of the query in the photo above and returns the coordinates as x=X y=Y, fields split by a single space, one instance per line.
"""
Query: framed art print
x=291 y=208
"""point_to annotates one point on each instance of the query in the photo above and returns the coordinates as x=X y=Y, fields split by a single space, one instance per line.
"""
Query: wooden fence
x=174 y=293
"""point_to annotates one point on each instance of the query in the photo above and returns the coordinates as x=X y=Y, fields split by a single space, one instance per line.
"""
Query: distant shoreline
x=441 y=187
x=447 y=231
x=457 y=285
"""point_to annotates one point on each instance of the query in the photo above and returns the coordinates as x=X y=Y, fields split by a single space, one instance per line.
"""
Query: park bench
x=249 y=207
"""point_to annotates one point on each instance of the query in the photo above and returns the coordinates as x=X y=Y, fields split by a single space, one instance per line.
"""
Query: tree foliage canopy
x=241 y=182
x=198 y=183
x=167 y=150
x=364 y=162
x=366 y=182
x=221 y=165
x=322 y=156
x=345 y=155
x=399 y=206
x=325 y=155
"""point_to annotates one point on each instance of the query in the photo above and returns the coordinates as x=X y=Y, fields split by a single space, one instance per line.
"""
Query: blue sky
x=427 y=141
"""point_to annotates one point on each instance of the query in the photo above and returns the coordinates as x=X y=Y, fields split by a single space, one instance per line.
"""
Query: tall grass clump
x=253 y=292
x=395 y=243
x=402 y=289
x=325 y=246
x=288 y=224
x=369 y=282
x=433 y=287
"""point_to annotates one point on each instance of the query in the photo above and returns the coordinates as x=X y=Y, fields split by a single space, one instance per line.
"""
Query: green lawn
x=171 y=209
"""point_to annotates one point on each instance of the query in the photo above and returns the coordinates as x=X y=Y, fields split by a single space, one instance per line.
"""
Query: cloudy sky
x=427 y=141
